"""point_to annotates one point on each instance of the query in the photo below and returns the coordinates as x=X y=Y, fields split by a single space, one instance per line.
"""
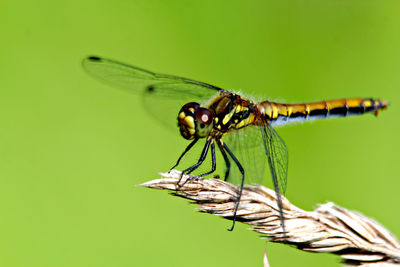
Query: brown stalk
x=359 y=240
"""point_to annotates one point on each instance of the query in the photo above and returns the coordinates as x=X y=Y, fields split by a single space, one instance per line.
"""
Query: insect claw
x=179 y=181
x=233 y=226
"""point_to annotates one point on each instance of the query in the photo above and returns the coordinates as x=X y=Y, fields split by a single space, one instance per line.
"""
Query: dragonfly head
x=194 y=121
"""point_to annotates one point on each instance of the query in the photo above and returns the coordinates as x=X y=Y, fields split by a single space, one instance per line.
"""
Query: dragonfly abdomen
x=277 y=113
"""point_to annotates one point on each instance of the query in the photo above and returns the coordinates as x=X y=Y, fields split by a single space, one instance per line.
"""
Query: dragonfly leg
x=241 y=185
x=227 y=162
x=195 y=166
x=184 y=152
x=214 y=164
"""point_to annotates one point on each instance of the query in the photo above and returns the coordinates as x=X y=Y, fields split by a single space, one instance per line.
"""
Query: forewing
x=163 y=95
x=164 y=100
x=138 y=80
x=255 y=147
x=247 y=145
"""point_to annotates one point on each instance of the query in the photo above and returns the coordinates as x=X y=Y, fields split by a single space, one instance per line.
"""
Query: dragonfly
x=241 y=128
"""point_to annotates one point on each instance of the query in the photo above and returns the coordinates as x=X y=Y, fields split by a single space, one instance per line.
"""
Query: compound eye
x=204 y=116
x=192 y=106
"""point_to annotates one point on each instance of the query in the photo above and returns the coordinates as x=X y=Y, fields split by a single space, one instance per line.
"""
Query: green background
x=72 y=149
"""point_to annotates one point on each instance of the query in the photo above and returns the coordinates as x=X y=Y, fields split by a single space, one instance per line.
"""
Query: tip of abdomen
x=384 y=104
x=381 y=105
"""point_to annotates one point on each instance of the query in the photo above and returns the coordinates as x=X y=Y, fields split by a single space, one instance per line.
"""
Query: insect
x=242 y=129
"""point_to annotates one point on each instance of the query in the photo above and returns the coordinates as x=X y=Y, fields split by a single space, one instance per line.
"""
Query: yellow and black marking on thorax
x=231 y=112
x=277 y=113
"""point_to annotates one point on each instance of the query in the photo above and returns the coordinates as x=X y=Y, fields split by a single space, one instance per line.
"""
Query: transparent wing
x=247 y=145
x=138 y=80
x=255 y=146
x=163 y=95
x=277 y=156
x=166 y=99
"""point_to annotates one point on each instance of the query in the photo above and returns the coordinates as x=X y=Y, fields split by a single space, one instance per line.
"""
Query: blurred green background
x=73 y=149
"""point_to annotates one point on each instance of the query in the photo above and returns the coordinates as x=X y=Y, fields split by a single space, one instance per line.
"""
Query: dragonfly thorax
x=195 y=121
